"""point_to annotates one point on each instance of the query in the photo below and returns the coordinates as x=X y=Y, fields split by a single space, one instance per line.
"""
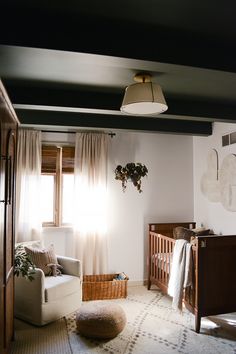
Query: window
x=57 y=184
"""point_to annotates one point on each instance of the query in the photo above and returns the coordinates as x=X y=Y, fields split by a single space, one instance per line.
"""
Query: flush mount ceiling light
x=144 y=97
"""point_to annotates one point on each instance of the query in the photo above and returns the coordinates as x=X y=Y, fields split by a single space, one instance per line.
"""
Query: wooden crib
x=214 y=257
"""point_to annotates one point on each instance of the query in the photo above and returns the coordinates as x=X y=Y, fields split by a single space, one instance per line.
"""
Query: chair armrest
x=31 y=289
x=71 y=266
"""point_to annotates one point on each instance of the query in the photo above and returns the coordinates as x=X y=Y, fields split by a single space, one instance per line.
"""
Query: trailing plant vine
x=133 y=172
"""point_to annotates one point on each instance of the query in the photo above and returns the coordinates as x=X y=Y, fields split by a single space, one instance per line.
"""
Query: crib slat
x=152 y=254
x=164 y=256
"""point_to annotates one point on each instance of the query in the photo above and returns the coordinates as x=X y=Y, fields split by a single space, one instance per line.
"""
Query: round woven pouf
x=99 y=319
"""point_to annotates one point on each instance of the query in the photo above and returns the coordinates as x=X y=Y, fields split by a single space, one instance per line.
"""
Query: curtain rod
x=69 y=132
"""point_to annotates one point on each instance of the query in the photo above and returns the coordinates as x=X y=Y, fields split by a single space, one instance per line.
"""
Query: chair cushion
x=61 y=286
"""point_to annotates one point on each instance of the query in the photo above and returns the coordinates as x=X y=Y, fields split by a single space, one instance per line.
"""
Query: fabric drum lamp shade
x=143 y=98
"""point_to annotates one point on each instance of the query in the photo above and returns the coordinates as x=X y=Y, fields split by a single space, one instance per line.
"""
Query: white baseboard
x=136 y=283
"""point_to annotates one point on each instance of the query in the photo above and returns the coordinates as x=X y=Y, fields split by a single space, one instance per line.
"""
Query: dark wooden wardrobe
x=8 y=136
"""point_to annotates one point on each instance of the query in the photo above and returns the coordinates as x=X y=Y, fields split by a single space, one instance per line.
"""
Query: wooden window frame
x=56 y=169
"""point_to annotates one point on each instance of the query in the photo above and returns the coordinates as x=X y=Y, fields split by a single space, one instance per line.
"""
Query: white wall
x=212 y=215
x=167 y=197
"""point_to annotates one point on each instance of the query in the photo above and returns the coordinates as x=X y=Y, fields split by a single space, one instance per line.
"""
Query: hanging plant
x=131 y=172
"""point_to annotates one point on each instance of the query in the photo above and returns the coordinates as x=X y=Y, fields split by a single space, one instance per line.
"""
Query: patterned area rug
x=153 y=327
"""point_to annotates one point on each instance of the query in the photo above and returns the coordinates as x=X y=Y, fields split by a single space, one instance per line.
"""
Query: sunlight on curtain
x=90 y=219
x=28 y=174
x=91 y=208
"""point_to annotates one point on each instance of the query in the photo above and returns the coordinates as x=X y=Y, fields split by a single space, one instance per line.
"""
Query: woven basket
x=103 y=287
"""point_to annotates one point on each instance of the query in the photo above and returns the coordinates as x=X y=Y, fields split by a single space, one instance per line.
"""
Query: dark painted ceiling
x=67 y=63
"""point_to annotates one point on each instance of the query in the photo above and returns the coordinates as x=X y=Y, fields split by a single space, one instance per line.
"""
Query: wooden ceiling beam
x=104 y=121
x=66 y=97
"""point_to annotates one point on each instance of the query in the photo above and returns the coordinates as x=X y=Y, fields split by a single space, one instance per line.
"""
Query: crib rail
x=159 y=265
x=160 y=257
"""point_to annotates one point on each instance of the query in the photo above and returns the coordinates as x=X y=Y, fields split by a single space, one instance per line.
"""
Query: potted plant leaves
x=131 y=172
x=23 y=264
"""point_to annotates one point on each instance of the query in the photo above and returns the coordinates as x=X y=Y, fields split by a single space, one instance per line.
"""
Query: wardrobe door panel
x=8 y=134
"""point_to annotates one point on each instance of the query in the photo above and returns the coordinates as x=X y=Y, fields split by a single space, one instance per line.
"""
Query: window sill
x=53 y=227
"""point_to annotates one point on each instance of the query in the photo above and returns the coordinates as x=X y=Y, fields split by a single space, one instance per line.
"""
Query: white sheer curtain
x=90 y=236
x=28 y=174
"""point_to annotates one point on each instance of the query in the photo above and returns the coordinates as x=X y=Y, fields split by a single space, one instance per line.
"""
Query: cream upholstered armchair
x=47 y=298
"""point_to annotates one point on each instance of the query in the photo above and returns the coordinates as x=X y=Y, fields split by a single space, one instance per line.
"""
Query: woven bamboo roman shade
x=51 y=154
